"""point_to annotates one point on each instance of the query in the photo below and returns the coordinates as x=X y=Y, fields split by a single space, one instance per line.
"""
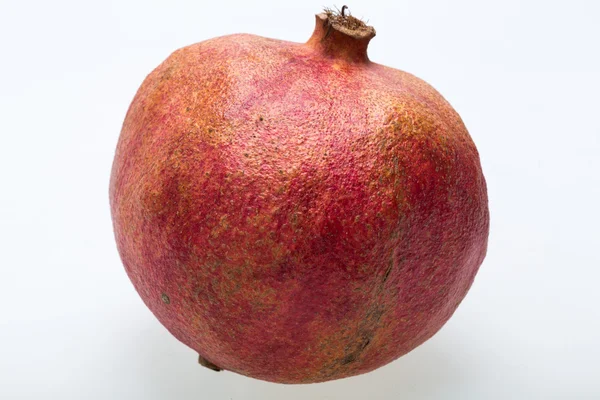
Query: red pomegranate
x=293 y=211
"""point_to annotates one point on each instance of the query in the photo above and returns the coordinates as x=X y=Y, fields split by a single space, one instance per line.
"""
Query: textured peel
x=308 y=214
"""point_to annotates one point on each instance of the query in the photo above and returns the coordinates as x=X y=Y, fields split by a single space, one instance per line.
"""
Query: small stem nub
x=344 y=8
x=205 y=363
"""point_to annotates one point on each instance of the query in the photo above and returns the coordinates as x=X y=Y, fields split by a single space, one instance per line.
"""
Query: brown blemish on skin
x=165 y=298
x=354 y=355
x=387 y=272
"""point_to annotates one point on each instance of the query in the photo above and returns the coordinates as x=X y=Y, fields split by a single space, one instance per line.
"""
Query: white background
x=525 y=77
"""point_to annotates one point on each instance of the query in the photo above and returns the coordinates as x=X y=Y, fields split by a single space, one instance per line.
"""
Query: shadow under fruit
x=295 y=212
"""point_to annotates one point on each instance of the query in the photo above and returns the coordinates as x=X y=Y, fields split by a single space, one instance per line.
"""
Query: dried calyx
x=347 y=24
x=340 y=35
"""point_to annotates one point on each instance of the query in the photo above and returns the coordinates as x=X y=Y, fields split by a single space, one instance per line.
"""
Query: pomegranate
x=293 y=211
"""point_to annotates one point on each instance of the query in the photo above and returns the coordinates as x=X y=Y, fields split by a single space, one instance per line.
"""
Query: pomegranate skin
x=295 y=212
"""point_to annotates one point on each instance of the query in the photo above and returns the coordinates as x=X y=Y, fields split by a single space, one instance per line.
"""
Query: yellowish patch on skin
x=278 y=251
x=260 y=221
x=221 y=227
x=264 y=299
x=414 y=119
